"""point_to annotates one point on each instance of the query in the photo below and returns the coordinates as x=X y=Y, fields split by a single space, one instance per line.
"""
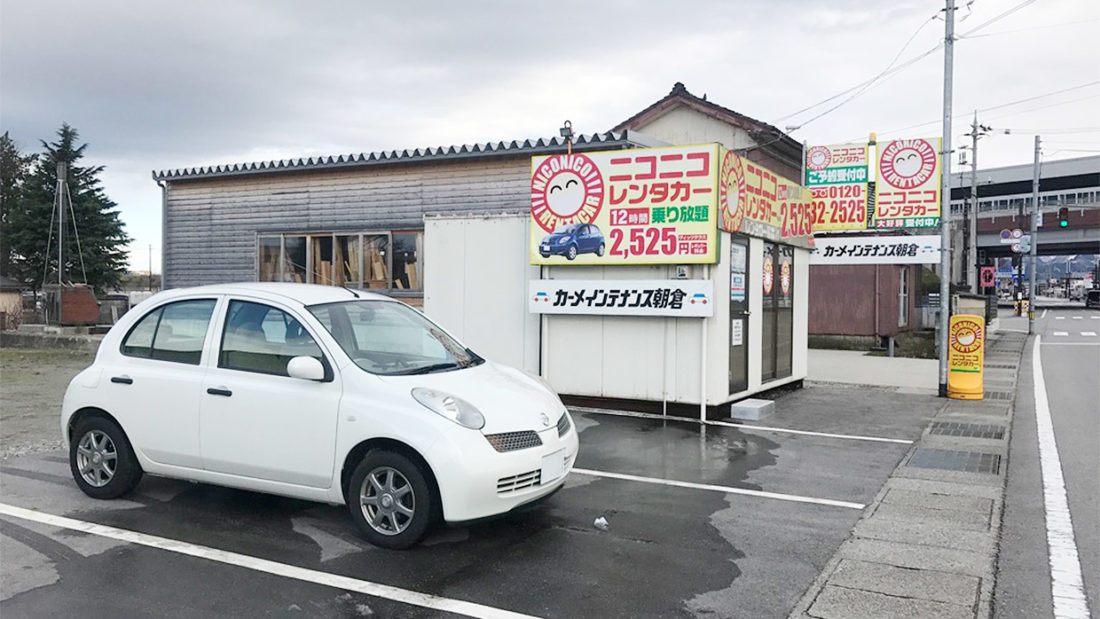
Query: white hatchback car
x=318 y=393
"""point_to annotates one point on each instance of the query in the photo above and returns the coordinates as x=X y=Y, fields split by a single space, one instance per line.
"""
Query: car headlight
x=452 y=407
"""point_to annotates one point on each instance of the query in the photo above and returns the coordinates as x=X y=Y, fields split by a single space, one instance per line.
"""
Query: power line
x=1030 y=28
x=1004 y=105
x=862 y=87
x=881 y=74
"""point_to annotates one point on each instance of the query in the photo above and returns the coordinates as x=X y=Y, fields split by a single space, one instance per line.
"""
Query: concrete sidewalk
x=858 y=368
x=927 y=545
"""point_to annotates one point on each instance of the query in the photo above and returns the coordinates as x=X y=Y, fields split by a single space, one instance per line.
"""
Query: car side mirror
x=306 y=368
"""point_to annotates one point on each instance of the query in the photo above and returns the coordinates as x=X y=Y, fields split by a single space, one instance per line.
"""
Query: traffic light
x=1063 y=217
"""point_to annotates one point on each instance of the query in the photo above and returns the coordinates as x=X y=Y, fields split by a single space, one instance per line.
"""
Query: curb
x=926 y=546
x=49 y=341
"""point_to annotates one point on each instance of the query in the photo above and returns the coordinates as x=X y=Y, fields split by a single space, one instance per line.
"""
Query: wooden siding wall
x=842 y=299
x=211 y=224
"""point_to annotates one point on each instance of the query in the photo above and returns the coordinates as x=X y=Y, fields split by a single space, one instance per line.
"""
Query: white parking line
x=1059 y=317
x=1078 y=317
x=1089 y=333
x=1061 y=333
x=1066 y=584
x=724 y=489
x=729 y=424
x=396 y=594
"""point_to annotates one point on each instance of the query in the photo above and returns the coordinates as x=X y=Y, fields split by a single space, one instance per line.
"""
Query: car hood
x=551 y=238
x=509 y=399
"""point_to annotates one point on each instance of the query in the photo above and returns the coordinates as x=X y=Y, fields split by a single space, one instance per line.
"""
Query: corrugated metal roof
x=610 y=139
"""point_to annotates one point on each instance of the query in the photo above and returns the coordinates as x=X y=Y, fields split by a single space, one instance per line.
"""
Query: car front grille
x=515 y=483
x=563 y=424
x=511 y=441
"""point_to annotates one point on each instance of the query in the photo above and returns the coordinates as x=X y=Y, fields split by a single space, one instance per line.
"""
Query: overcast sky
x=154 y=85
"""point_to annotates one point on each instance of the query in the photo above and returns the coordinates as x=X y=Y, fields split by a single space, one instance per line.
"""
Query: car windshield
x=389 y=338
x=566 y=229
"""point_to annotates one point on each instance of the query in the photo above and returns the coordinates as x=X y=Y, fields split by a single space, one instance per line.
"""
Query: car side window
x=261 y=338
x=174 y=332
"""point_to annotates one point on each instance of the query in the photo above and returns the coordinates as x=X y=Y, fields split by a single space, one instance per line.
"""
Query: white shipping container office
x=477 y=282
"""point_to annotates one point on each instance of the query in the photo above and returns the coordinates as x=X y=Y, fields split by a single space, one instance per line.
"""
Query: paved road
x=1070 y=358
x=671 y=551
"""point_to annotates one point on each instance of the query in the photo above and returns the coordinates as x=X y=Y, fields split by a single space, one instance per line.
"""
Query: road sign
x=988 y=277
x=1009 y=237
x=1016 y=248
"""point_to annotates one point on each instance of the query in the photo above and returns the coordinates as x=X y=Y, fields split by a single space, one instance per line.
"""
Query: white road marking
x=1089 y=333
x=424 y=600
x=1059 y=317
x=729 y=424
x=1044 y=314
x=1066 y=584
x=1095 y=317
x=1078 y=317
x=724 y=489
x=1061 y=333
x=1071 y=344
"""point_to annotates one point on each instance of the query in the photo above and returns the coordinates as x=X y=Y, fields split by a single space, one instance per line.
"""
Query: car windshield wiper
x=435 y=367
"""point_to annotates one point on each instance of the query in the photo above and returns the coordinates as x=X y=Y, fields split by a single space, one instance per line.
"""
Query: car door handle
x=219 y=391
x=122 y=380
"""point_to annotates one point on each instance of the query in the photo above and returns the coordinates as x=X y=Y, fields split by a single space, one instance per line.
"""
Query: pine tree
x=96 y=252
x=15 y=167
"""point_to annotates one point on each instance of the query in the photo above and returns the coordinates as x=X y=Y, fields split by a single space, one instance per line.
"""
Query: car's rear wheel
x=101 y=459
x=571 y=253
x=390 y=500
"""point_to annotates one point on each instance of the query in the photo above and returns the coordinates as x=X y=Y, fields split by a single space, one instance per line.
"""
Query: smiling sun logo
x=966 y=336
x=906 y=164
x=566 y=189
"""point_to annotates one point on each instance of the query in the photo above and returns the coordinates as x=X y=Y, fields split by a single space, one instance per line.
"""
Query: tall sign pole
x=1035 y=215
x=945 y=192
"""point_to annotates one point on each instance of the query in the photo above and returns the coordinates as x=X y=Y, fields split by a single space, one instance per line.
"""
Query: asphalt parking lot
x=705 y=521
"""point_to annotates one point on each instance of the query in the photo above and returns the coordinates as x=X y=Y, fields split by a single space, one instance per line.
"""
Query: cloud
x=160 y=84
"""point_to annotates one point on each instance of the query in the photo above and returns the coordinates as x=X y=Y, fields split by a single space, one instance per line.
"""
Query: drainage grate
x=966 y=461
x=968 y=430
x=1001 y=366
x=998 y=395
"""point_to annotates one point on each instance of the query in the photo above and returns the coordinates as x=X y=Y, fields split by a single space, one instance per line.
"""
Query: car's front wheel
x=390 y=500
x=599 y=250
x=571 y=253
x=102 y=460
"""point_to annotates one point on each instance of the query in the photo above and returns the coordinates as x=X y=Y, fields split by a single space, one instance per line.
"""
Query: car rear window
x=173 y=332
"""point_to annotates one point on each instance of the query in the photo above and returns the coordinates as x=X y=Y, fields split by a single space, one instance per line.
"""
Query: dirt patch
x=32 y=384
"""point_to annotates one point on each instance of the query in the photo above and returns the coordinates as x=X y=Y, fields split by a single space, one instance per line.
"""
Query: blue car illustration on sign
x=572 y=239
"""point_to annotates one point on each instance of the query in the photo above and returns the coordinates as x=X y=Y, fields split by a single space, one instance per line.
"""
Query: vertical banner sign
x=988 y=277
x=908 y=185
x=837 y=178
x=639 y=206
x=754 y=200
x=966 y=357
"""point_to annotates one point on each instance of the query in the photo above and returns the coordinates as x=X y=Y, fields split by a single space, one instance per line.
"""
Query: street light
x=566 y=132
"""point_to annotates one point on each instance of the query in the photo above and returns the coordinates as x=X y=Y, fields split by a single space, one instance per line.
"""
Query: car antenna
x=353 y=293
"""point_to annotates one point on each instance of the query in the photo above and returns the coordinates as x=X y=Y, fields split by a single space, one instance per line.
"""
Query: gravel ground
x=32 y=384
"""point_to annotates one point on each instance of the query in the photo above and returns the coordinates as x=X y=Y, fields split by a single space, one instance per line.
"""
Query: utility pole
x=945 y=192
x=150 y=267
x=1035 y=215
x=972 y=215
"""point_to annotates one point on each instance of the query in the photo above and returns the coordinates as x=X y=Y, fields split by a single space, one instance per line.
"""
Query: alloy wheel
x=387 y=500
x=96 y=458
